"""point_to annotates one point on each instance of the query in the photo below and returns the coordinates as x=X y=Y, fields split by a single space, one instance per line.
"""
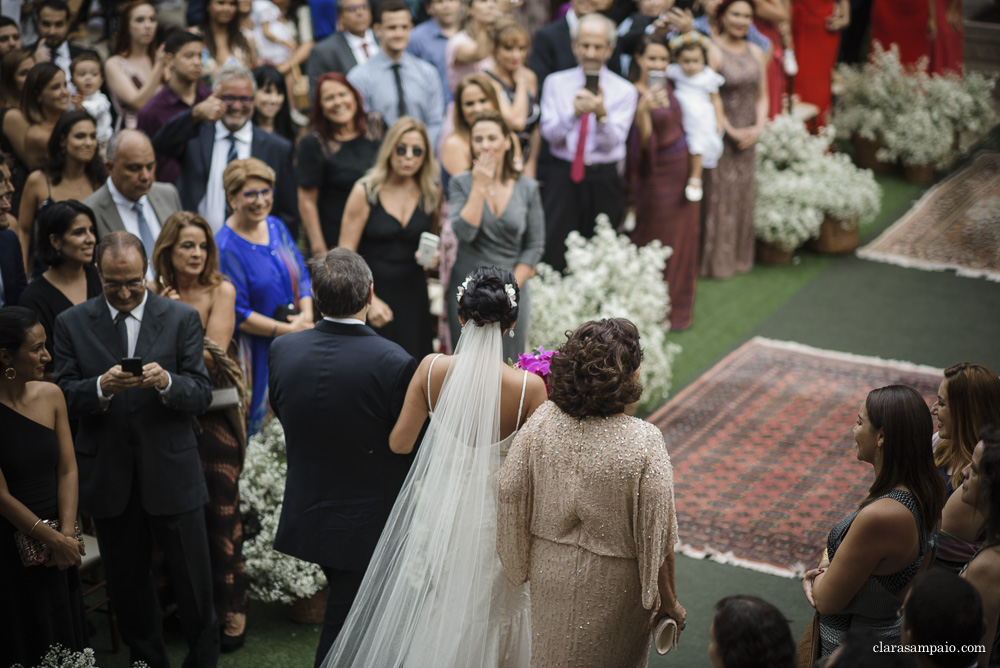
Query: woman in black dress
x=332 y=156
x=40 y=605
x=386 y=212
x=65 y=241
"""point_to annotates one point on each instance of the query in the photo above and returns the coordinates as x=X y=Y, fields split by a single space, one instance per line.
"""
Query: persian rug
x=763 y=451
x=955 y=225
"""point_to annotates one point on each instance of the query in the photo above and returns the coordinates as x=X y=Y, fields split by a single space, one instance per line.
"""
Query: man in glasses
x=130 y=199
x=130 y=364
x=352 y=45
x=217 y=131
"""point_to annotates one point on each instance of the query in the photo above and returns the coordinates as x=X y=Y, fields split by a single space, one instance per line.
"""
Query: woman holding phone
x=386 y=213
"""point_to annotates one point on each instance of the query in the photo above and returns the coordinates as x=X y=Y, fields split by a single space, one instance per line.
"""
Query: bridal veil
x=434 y=593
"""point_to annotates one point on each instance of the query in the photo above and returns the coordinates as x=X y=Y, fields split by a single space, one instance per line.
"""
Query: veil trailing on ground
x=434 y=593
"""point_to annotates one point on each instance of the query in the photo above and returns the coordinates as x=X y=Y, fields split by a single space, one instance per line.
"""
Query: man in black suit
x=140 y=473
x=338 y=389
x=353 y=44
x=52 y=20
x=217 y=131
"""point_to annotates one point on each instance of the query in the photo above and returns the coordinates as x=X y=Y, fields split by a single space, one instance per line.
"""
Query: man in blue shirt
x=429 y=39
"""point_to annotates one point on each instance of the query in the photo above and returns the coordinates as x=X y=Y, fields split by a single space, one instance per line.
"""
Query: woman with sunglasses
x=387 y=211
x=273 y=291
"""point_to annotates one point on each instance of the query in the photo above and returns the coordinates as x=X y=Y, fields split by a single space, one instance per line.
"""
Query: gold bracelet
x=33 y=527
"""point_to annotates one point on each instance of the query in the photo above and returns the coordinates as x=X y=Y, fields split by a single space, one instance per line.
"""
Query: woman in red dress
x=909 y=24
x=769 y=15
x=816 y=26
x=948 y=43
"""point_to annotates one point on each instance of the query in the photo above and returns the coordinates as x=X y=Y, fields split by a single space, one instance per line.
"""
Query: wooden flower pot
x=919 y=173
x=865 y=152
x=308 y=610
x=772 y=255
x=833 y=239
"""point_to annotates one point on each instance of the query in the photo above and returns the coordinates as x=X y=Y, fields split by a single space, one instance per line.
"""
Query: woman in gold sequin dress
x=586 y=509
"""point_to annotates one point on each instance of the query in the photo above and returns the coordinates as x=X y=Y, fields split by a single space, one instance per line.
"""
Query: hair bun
x=489 y=295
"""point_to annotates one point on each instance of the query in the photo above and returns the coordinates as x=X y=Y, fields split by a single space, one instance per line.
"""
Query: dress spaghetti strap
x=520 y=405
x=429 y=370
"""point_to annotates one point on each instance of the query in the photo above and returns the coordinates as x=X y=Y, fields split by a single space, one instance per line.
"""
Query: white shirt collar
x=135 y=313
x=355 y=41
x=63 y=50
x=244 y=134
x=119 y=199
x=572 y=20
x=344 y=321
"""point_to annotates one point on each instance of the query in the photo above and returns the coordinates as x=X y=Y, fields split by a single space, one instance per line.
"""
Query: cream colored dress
x=586 y=513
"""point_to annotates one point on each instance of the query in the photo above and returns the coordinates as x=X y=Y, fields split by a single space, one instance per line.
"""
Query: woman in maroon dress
x=657 y=170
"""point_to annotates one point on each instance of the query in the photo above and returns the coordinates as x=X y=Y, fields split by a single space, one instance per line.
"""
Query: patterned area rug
x=763 y=453
x=955 y=225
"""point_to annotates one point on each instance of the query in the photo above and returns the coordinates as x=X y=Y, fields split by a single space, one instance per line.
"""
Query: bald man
x=130 y=199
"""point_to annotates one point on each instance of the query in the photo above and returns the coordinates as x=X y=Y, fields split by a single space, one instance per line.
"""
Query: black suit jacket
x=552 y=50
x=338 y=390
x=191 y=144
x=332 y=54
x=141 y=433
x=11 y=268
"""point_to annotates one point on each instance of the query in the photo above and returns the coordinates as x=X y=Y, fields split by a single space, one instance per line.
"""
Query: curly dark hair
x=752 y=633
x=485 y=298
x=594 y=372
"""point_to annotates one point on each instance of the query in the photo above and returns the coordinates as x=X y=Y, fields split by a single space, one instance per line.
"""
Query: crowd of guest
x=159 y=206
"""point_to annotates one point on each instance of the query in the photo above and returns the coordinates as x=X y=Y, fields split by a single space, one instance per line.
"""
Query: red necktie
x=578 y=169
x=364 y=47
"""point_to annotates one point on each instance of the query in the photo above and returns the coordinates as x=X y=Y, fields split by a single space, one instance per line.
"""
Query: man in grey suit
x=136 y=450
x=344 y=49
x=130 y=200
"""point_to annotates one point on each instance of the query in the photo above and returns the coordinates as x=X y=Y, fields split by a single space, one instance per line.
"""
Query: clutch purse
x=665 y=635
x=34 y=552
x=224 y=398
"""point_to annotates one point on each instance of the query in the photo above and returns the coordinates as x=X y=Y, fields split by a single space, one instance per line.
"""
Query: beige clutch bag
x=665 y=635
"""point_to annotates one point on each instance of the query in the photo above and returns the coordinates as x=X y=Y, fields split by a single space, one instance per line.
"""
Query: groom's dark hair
x=340 y=283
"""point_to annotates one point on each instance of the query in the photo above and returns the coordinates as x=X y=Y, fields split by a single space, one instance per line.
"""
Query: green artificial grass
x=881 y=314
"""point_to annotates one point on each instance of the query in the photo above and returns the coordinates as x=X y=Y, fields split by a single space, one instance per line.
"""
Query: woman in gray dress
x=498 y=219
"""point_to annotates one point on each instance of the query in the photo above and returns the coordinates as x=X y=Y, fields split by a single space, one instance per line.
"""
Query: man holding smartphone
x=587 y=114
x=140 y=472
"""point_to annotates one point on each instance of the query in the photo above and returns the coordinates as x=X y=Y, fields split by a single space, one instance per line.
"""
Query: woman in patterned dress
x=186 y=262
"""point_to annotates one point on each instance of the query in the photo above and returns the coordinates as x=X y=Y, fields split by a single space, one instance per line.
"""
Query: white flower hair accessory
x=463 y=287
x=511 y=294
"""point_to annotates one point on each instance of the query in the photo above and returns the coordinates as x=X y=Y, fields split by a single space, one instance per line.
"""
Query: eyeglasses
x=252 y=195
x=403 y=149
x=355 y=8
x=234 y=99
x=115 y=286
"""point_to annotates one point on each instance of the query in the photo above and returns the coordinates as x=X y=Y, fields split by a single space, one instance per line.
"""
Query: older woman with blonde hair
x=386 y=213
x=257 y=253
x=186 y=262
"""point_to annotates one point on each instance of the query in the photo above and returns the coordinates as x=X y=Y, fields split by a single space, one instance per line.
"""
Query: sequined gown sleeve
x=586 y=513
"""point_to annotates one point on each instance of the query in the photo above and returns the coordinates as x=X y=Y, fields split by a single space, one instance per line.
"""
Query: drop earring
x=510 y=332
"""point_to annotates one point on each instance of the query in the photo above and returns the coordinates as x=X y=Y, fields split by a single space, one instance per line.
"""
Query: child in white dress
x=696 y=87
x=86 y=78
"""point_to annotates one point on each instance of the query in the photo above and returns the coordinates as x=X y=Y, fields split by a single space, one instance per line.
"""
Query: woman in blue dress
x=273 y=292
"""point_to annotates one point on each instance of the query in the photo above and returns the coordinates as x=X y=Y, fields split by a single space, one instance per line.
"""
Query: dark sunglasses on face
x=415 y=151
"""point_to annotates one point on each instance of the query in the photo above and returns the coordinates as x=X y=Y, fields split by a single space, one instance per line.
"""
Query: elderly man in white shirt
x=587 y=112
x=130 y=199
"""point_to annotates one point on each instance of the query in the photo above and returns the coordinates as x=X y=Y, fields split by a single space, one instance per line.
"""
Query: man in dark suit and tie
x=217 y=131
x=353 y=44
x=338 y=389
x=130 y=200
x=140 y=472
x=52 y=18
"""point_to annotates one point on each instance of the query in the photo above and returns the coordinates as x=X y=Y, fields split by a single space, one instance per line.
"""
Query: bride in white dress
x=434 y=593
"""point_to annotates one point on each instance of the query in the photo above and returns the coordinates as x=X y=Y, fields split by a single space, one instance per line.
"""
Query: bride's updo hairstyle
x=594 y=372
x=483 y=297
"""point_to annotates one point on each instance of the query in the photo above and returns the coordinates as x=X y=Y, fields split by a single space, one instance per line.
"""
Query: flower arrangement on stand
x=907 y=115
x=271 y=575
x=607 y=276
x=804 y=191
x=61 y=657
